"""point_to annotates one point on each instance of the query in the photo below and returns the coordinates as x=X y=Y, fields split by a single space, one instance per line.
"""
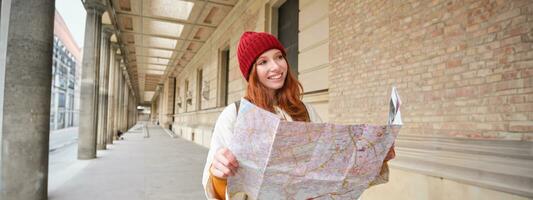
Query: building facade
x=65 y=77
x=462 y=68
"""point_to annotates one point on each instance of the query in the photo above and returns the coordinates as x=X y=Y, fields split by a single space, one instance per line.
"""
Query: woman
x=271 y=86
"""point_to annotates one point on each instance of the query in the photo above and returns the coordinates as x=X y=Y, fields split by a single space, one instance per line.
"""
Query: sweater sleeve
x=221 y=136
x=219 y=187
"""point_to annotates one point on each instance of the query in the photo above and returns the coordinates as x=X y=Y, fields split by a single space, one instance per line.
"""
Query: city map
x=301 y=160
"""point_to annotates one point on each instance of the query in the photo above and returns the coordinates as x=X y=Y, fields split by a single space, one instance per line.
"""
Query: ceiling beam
x=151 y=64
x=147 y=56
x=160 y=48
x=212 y=2
x=160 y=36
x=165 y=19
x=148 y=69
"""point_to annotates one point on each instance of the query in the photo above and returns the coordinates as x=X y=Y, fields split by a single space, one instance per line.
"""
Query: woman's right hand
x=224 y=164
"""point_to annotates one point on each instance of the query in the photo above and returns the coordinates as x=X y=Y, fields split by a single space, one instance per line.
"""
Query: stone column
x=161 y=105
x=120 y=98
x=132 y=109
x=90 y=81
x=135 y=111
x=125 y=107
x=111 y=93
x=128 y=105
x=26 y=41
x=152 y=112
x=128 y=122
x=128 y=118
x=132 y=105
x=116 y=90
x=102 y=94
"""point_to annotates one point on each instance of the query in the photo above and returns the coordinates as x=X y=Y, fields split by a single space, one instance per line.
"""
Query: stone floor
x=63 y=137
x=157 y=167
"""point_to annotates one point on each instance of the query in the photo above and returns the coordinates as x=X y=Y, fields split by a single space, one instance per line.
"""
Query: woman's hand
x=224 y=164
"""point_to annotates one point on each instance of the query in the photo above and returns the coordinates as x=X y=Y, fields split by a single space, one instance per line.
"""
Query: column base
x=83 y=157
x=101 y=147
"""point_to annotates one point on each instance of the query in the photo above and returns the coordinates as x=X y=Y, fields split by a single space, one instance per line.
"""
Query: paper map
x=301 y=160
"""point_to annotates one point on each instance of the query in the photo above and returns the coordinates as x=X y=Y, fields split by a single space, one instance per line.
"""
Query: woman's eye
x=261 y=62
x=279 y=57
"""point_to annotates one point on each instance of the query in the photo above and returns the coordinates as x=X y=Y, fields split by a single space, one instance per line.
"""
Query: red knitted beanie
x=253 y=44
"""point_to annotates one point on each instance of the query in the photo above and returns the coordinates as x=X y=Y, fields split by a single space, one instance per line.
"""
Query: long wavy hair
x=288 y=97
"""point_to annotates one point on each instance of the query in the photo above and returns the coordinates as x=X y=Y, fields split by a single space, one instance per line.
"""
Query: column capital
x=114 y=45
x=98 y=5
x=107 y=30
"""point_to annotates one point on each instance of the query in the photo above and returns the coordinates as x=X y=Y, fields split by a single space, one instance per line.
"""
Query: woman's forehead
x=270 y=52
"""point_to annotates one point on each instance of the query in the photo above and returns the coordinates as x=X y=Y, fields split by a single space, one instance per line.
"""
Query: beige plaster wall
x=353 y=64
x=249 y=16
x=406 y=185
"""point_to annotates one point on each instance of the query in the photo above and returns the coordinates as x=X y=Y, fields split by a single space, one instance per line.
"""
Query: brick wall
x=463 y=68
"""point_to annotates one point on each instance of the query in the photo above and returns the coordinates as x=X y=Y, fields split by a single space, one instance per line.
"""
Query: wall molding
x=316 y=96
x=202 y=118
x=501 y=165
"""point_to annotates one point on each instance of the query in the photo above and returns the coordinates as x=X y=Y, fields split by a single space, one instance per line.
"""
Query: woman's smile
x=275 y=77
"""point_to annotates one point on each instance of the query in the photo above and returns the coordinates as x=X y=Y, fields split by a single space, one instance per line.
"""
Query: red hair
x=288 y=97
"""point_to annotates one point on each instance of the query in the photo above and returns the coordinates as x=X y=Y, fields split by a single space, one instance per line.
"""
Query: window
x=71 y=84
x=199 y=86
x=174 y=92
x=288 y=31
x=71 y=102
x=178 y=99
x=187 y=95
x=61 y=100
x=223 y=75
x=73 y=68
x=62 y=82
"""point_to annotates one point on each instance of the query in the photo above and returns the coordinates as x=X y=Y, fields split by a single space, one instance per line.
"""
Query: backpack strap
x=237 y=104
x=307 y=112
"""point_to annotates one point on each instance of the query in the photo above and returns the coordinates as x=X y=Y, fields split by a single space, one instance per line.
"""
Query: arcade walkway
x=136 y=168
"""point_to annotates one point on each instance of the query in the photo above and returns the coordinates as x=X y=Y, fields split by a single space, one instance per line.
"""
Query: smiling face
x=271 y=69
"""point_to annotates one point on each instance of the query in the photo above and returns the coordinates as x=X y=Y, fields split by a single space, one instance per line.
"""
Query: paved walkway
x=63 y=137
x=157 y=167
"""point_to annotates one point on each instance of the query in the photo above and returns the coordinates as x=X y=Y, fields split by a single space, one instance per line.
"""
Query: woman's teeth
x=275 y=77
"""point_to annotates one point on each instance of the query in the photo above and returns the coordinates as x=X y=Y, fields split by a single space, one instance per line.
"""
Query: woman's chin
x=275 y=86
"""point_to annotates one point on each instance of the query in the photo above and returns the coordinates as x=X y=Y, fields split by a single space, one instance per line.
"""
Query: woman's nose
x=276 y=65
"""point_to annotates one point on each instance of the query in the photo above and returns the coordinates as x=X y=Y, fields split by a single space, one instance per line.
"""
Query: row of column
x=108 y=103
x=106 y=93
